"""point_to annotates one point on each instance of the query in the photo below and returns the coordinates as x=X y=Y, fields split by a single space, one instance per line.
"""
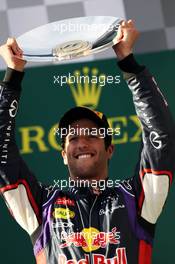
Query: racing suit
x=77 y=226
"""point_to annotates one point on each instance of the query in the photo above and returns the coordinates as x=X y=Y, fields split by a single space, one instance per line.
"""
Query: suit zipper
x=90 y=255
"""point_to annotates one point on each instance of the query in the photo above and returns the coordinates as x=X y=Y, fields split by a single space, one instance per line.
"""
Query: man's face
x=85 y=154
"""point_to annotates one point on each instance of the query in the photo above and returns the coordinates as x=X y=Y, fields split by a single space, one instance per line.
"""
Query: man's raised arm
x=157 y=161
x=18 y=186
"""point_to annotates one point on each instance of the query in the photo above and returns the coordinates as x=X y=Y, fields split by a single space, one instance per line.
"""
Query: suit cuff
x=130 y=65
x=13 y=77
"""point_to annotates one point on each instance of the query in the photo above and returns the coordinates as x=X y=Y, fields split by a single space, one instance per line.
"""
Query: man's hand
x=12 y=55
x=127 y=36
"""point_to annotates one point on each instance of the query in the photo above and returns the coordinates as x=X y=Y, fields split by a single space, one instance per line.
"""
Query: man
x=84 y=224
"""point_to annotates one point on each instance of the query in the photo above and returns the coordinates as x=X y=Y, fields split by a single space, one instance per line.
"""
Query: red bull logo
x=120 y=258
x=91 y=239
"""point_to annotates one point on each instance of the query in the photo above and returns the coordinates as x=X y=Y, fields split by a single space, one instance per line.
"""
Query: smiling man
x=86 y=151
x=87 y=225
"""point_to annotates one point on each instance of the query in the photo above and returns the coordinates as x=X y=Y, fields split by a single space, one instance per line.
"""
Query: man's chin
x=84 y=175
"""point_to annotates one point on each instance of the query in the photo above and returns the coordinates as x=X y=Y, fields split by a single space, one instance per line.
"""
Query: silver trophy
x=69 y=39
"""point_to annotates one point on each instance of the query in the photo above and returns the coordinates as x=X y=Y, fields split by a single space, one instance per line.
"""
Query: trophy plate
x=69 y=39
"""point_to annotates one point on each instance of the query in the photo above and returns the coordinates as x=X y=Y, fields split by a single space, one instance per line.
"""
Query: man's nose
x=83 y=141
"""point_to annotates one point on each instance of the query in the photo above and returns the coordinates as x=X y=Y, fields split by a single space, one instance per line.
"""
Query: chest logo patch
x=91 y=239
x=63 y=213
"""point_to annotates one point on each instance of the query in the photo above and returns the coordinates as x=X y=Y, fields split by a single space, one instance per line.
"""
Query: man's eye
x=93 y=136
x=72 y=138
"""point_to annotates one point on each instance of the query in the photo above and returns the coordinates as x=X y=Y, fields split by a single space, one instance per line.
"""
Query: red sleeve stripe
x=29 y=194
x=168 y=173
x=143 y=172
x=145 y=253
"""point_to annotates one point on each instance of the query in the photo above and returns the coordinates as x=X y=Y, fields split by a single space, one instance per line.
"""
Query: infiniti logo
x=13 y=108
x=155 y=140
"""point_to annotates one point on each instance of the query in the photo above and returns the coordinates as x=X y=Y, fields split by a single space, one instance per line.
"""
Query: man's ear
x=110 y=151
x=64 y=156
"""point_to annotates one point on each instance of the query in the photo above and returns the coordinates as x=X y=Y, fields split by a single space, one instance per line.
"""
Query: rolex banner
x=48 y=92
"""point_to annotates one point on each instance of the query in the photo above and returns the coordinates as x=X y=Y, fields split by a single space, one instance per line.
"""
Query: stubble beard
x=82 y=173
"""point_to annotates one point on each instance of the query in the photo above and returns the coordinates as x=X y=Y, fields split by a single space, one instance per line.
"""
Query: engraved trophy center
x=71 y=49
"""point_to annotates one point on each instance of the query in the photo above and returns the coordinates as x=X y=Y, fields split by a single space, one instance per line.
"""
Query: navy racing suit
x=77 y=226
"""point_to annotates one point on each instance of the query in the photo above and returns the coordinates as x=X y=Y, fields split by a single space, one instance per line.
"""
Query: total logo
x=63 y=213
x=120 y=258
x=91 y=239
